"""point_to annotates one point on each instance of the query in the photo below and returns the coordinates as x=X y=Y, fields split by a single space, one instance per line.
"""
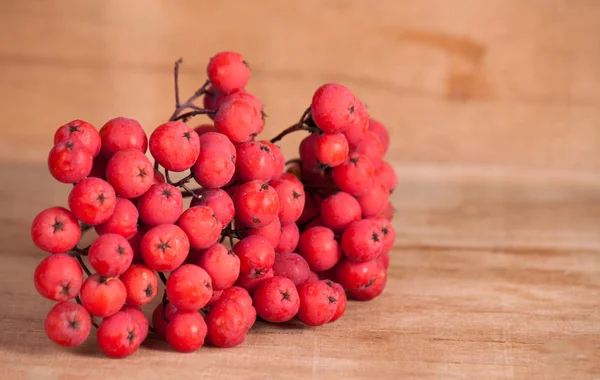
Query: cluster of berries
x=261 y=236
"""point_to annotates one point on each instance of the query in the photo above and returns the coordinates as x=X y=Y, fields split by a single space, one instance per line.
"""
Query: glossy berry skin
x=216 y=296
x=292 y=198
x=216 y=163
x=186 y=331
x=375 y=201
x=355 y=176
x=339 y=210
x=165 y=247
x=122 y=133
x=256 y=204
x=271 y=232
x=68 y=324
x=342 y=300
x=110 y=255
x=319 y=247
x=333 y=107
x=119 y=335
x=103 y=296
x=318 y=303
x=386 y=174
x=388 y=234
x=219 y=201
x=239 y=120
x=58 y=277
x=161 y=317
x=227 y=71
x=227 y=324
x=81 y=131
x=254 y=161
x=175 y=146
x=362 y=280
x=381 y=132
x=161 y=204
x=332 y=149
x=221 y=264
x=288 y=241
x=189 y=287
x=124 y=220
x=55 y=230
x=276 y=300
x=201 y=226
x=358 y=127
x=241 y=296
x=250 y=283
x=130 y=172
x=256 y=256
x=361 y=240
x=137 y=315
x=240 y=94
x=278 y=160
x=291 y=266
x=141 y=284
x=92 y=201
x=384 y=260
x=371 y=147
x=69 y=161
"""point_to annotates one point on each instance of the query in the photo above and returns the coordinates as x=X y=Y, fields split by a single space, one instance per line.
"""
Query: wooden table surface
x=494 y=112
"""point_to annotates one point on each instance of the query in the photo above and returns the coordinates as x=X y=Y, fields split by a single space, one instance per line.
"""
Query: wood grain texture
x=494 y=112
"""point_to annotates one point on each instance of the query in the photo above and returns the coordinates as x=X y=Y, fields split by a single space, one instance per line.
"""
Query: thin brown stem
x=185 y=116
x=293 y=161
x=162 y=277
x=79 y=251
x=83 y=266
x=176 y=78
x=299 y=126
x=78 y=300
x=190 y=191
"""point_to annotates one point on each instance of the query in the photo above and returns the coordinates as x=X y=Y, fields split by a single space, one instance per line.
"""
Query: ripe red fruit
x=381 y=132
x=227 y=324
x=82 y=132
x=186 y=331
x=201 y=226
x=69 y=161
x=92 y=201
x=251 y=282
x=371 y=147
x=68 y=324
x=333 y=107
x=130 y=172
x=103 y=296
x=361 y=240
x=216 y=163
x=110 y=255
x=388 y=212
x=124 y=220
x=292 y=266
x=221 y=264
x=216 y=296
x=290 y=192
x=256 y=256
x=241 y=296
x=141 y=284
x=388 y=234
x=288 y=241
x=358 y=127
x=339 y=209
x=319 y=247
x=276 y=299
x=119 y=335
x=332 y=149
x=278 y=160
x=219 y=201
x=318 y=303
x=375 y=201
x=239 y=120
x=165 y=247
x=205 y=128
x=161 y=204
x=384 y=259
x=58 y=277
x=342 y=301
x=363 y=280
x=386 y=173
x=256 y=204
x=137 y=315
x=189 y=287
x=254 y=161
x=161 y=318
x=55 y=230
x=175 y=146
x=240 y=94
x=227 y=71
x=271 y=232
x=355 y=176
x=120 y=134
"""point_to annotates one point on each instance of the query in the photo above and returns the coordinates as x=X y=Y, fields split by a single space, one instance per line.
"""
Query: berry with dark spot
x=110 y=255
x=189 y=287
x=271 y=232
x=161 y=204
x=141 y=284
x=81 y=131
x=318 y=303
x=122 y=133
x=186 y=331
x=290 y=192
x=130 y=172
x=119 y=335
x=68 y=324
x=256 y=256
x=356 y=175
x=55 y=230
x=165 y=247
x=175 y=146
x=276 y=299
x=219 y=201
x=69 y=161
x=362 y=280
x=362 y=240
x=256 y=204
x=103 y=296
x=227 y=71
x=221 y=264
x=201 y=226
x=254 y=161
x=58 y=277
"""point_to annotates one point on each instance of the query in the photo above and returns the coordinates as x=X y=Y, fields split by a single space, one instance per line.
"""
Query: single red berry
x=251 y=282
x=241 y=296
x=221 y=264
x=319 y=247
x=355 y=176
x=361 y=240
x=219 y=201
x=292 y=198
x=381 y=132
x=358 y=126
x=120 y=134
x=186 y=331
x=388 y=212
x=386 y=173
x=161 y=317
x=55 y=230
x=141 y=284
x=124 y=220
x=271 y=232
x=204 y=128
x=254 y=161
x=371 y=147
x=375 y=201
x=68 y=324
x=137 y=315
x=69 y=161
x=92 y=201
x=318 y=303
x=256 y=256
x=165 y=247
x=276 y=299
x=333 y=107
x=189 y=287
x=110 y=255
x=227 y=71
x=175 y=146
x=239 y=120
x=388 y=234
x=288 y=241
x=216 y=296
x=332 y=149
x=240 y=94
x=119 y=335
x=363 y=280
x=58 y=277
x=278 y=160
x=161 y=204
x=201 y=226
x=292 y=266
x=384 y=260
x=227 y=324
x=342 y=300
x=130 y=172
x=216 y=163
x=256 y=204
x=83 y=132
x=103 y=296
x=312 y=276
